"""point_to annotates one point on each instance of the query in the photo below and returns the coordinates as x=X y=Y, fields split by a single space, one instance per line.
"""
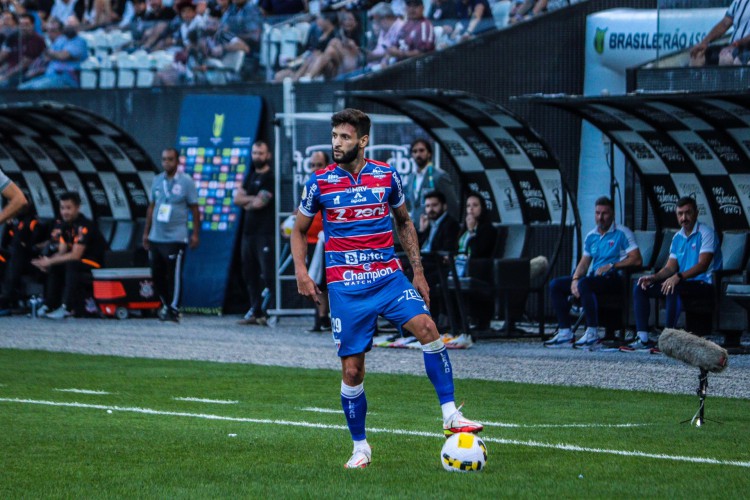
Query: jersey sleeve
x=397 y=198
x=630 y=243
x=587 y=246
x=82 y=234
x=673 y=247
x=309 y=205
x=708 y=241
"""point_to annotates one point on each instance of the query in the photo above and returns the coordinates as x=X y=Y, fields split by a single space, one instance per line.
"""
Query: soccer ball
x=463 y=452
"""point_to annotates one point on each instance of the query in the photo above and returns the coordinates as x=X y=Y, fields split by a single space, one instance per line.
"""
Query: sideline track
x=514 y=442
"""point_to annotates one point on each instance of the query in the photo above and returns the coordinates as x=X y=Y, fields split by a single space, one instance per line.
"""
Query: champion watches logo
x=599 y=40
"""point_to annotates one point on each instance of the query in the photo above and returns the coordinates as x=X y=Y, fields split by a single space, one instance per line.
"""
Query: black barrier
x=693 y=145
x=50 y=149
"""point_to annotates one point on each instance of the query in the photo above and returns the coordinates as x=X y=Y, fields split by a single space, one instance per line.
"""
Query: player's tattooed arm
x=407 y=236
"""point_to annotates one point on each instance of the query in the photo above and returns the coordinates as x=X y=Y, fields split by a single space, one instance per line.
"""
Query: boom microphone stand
x=699 y=417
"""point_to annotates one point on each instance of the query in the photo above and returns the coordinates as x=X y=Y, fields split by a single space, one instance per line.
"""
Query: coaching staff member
x=173 y=197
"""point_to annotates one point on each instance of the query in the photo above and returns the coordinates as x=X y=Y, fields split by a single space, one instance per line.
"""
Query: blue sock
x=354 y=403
x=437 y=364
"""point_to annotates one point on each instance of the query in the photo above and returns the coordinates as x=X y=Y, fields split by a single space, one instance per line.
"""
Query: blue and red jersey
x=356 y=221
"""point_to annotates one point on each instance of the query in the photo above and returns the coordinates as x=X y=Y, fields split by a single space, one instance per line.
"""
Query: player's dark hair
x=260 y=142
x=28 y=16
x=354 y=117
x=482 y=203
x=421 y=140
x=606 y=202
x=436 y=194
x=71 y=196
x=688 y=200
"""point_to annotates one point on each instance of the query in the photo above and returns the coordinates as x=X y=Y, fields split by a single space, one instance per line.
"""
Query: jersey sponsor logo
x=337 y=200
x=378 y=173
x=333 y=178
x=410 y=294
x=354 y=258
x=356 y=189
x=356 y=213
x=359 y=198
x=308 y=195
x=352 y=277
x=379 y=192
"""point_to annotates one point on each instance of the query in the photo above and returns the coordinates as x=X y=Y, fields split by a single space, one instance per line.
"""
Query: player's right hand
x=308 y=288
x=146 y=244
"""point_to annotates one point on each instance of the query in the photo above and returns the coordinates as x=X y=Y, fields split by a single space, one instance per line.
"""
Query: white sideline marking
x=214 y=401
x=328 y=410
x=321 y=410
x=81 y=391
x=556 y=426
x=532 y=444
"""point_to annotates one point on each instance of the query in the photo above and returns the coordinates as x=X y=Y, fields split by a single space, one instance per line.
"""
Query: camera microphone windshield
x=693 y=350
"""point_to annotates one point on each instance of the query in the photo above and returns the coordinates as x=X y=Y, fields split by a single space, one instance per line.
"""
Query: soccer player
x=364 y=275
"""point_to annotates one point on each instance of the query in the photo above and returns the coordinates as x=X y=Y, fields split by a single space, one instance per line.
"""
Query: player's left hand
x=667 y=287
x=420 y=283
x=308 y=288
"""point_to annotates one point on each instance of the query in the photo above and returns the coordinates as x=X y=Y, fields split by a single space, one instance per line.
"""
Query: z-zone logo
x=358 y=213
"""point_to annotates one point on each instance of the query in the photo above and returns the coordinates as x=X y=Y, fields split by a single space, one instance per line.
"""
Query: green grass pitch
x=133 y=438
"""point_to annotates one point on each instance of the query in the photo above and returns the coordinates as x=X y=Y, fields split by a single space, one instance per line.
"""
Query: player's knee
x=353 y=375
x=425 y=329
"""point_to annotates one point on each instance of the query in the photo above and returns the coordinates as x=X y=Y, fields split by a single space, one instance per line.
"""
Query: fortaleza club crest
x=379 y=192
x=599 y=40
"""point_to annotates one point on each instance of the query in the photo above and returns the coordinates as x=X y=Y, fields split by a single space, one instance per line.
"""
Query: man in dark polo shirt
x=80 y=249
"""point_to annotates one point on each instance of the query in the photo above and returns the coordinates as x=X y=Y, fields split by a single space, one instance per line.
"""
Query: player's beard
x=421 y=162
x=347 y=156
x=258 y=165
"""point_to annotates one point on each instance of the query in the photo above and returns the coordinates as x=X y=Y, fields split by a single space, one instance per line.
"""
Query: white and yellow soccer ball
x=464 y=452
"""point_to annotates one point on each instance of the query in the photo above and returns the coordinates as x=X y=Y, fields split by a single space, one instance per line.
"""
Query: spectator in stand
x=221 y=6
x=157 y=18
x=318 y=161
x=244 y=19
x=8 y=25
x=442 y=10
x=30 y=7
x=65 y=55
x=134 y=18
x=18 y=52
x=98 y=14
x=282 y=7
x=63 y=10
x=190 y=21
x=478 y=15
x=81 y=249
x=342 y=54
x=738 y=51
x=417 y=35
x=318 y=38
x=387 y=26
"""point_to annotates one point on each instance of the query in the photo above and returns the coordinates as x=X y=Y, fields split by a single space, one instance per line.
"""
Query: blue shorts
x=354 y=313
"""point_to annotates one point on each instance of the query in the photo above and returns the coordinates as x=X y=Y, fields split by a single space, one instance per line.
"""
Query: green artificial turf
x=179 y=450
